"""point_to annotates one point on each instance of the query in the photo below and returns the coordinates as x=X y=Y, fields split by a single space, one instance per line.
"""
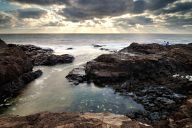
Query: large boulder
x=13 y=63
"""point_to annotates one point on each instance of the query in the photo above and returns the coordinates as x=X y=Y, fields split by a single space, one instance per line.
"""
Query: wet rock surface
x=158 y=101
x=71 y=120
x=45 y=57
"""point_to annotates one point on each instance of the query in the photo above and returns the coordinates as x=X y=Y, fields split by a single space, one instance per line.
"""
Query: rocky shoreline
x=149 y=74
x=156 y=76
x=16 y=66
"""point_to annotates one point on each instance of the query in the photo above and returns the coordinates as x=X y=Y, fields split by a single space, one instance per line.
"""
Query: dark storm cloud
x=88 y=9
x=42 y=2
x=30 y=13
x=173 y=21
x=169 y=13
x=151 y=5
x=179 y=7
x=5 y=20
x=132 y=21
x=176 y=23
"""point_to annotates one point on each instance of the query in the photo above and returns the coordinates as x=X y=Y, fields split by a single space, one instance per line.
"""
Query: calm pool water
x=52 y=91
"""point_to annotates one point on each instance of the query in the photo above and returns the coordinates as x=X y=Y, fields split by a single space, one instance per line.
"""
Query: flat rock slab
x=71 y=120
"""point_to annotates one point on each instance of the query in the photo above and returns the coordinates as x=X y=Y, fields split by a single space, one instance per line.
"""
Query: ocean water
x=53 y=92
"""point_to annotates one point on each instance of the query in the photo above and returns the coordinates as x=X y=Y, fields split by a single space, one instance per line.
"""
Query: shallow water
x=53 y=92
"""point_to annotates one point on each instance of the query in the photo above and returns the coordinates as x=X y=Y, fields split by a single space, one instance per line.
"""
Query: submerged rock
x=69 y=48
x=97 y=45
x=71 y=120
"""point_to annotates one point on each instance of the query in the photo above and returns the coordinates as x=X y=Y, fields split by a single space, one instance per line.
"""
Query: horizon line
x=96 y=33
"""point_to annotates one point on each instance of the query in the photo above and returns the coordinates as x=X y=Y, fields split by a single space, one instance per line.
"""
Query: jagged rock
x=158 y=101
x=144 y=48
x=51 y=59
x=147 y=70
x=45 y=57
x=150 y=63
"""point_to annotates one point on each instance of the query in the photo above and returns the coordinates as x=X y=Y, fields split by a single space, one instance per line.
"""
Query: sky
x=96 y=16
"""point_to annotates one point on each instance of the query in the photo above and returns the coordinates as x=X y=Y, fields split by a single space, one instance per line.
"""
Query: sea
x=53 y=92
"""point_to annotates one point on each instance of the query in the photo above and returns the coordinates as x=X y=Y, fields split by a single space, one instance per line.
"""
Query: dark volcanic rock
x=144 y=48
x=12 y=88
x=13 y=63
x=146 y=71
x=110 y=68
x=77 y=75
x=69 y=48
x=150 y=63
x=51 y=59
x=158 y=101
x=97 y=45
x=42 y=56
x=15 y=71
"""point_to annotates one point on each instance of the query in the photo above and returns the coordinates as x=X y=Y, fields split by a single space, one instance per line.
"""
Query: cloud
x=89 y=9
x=153 y=14
x=179 y=21
x=132 y=21
x=34 y=13
x=182 y=7
x=42 y=2
x=151 y=5
x=6 y=20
